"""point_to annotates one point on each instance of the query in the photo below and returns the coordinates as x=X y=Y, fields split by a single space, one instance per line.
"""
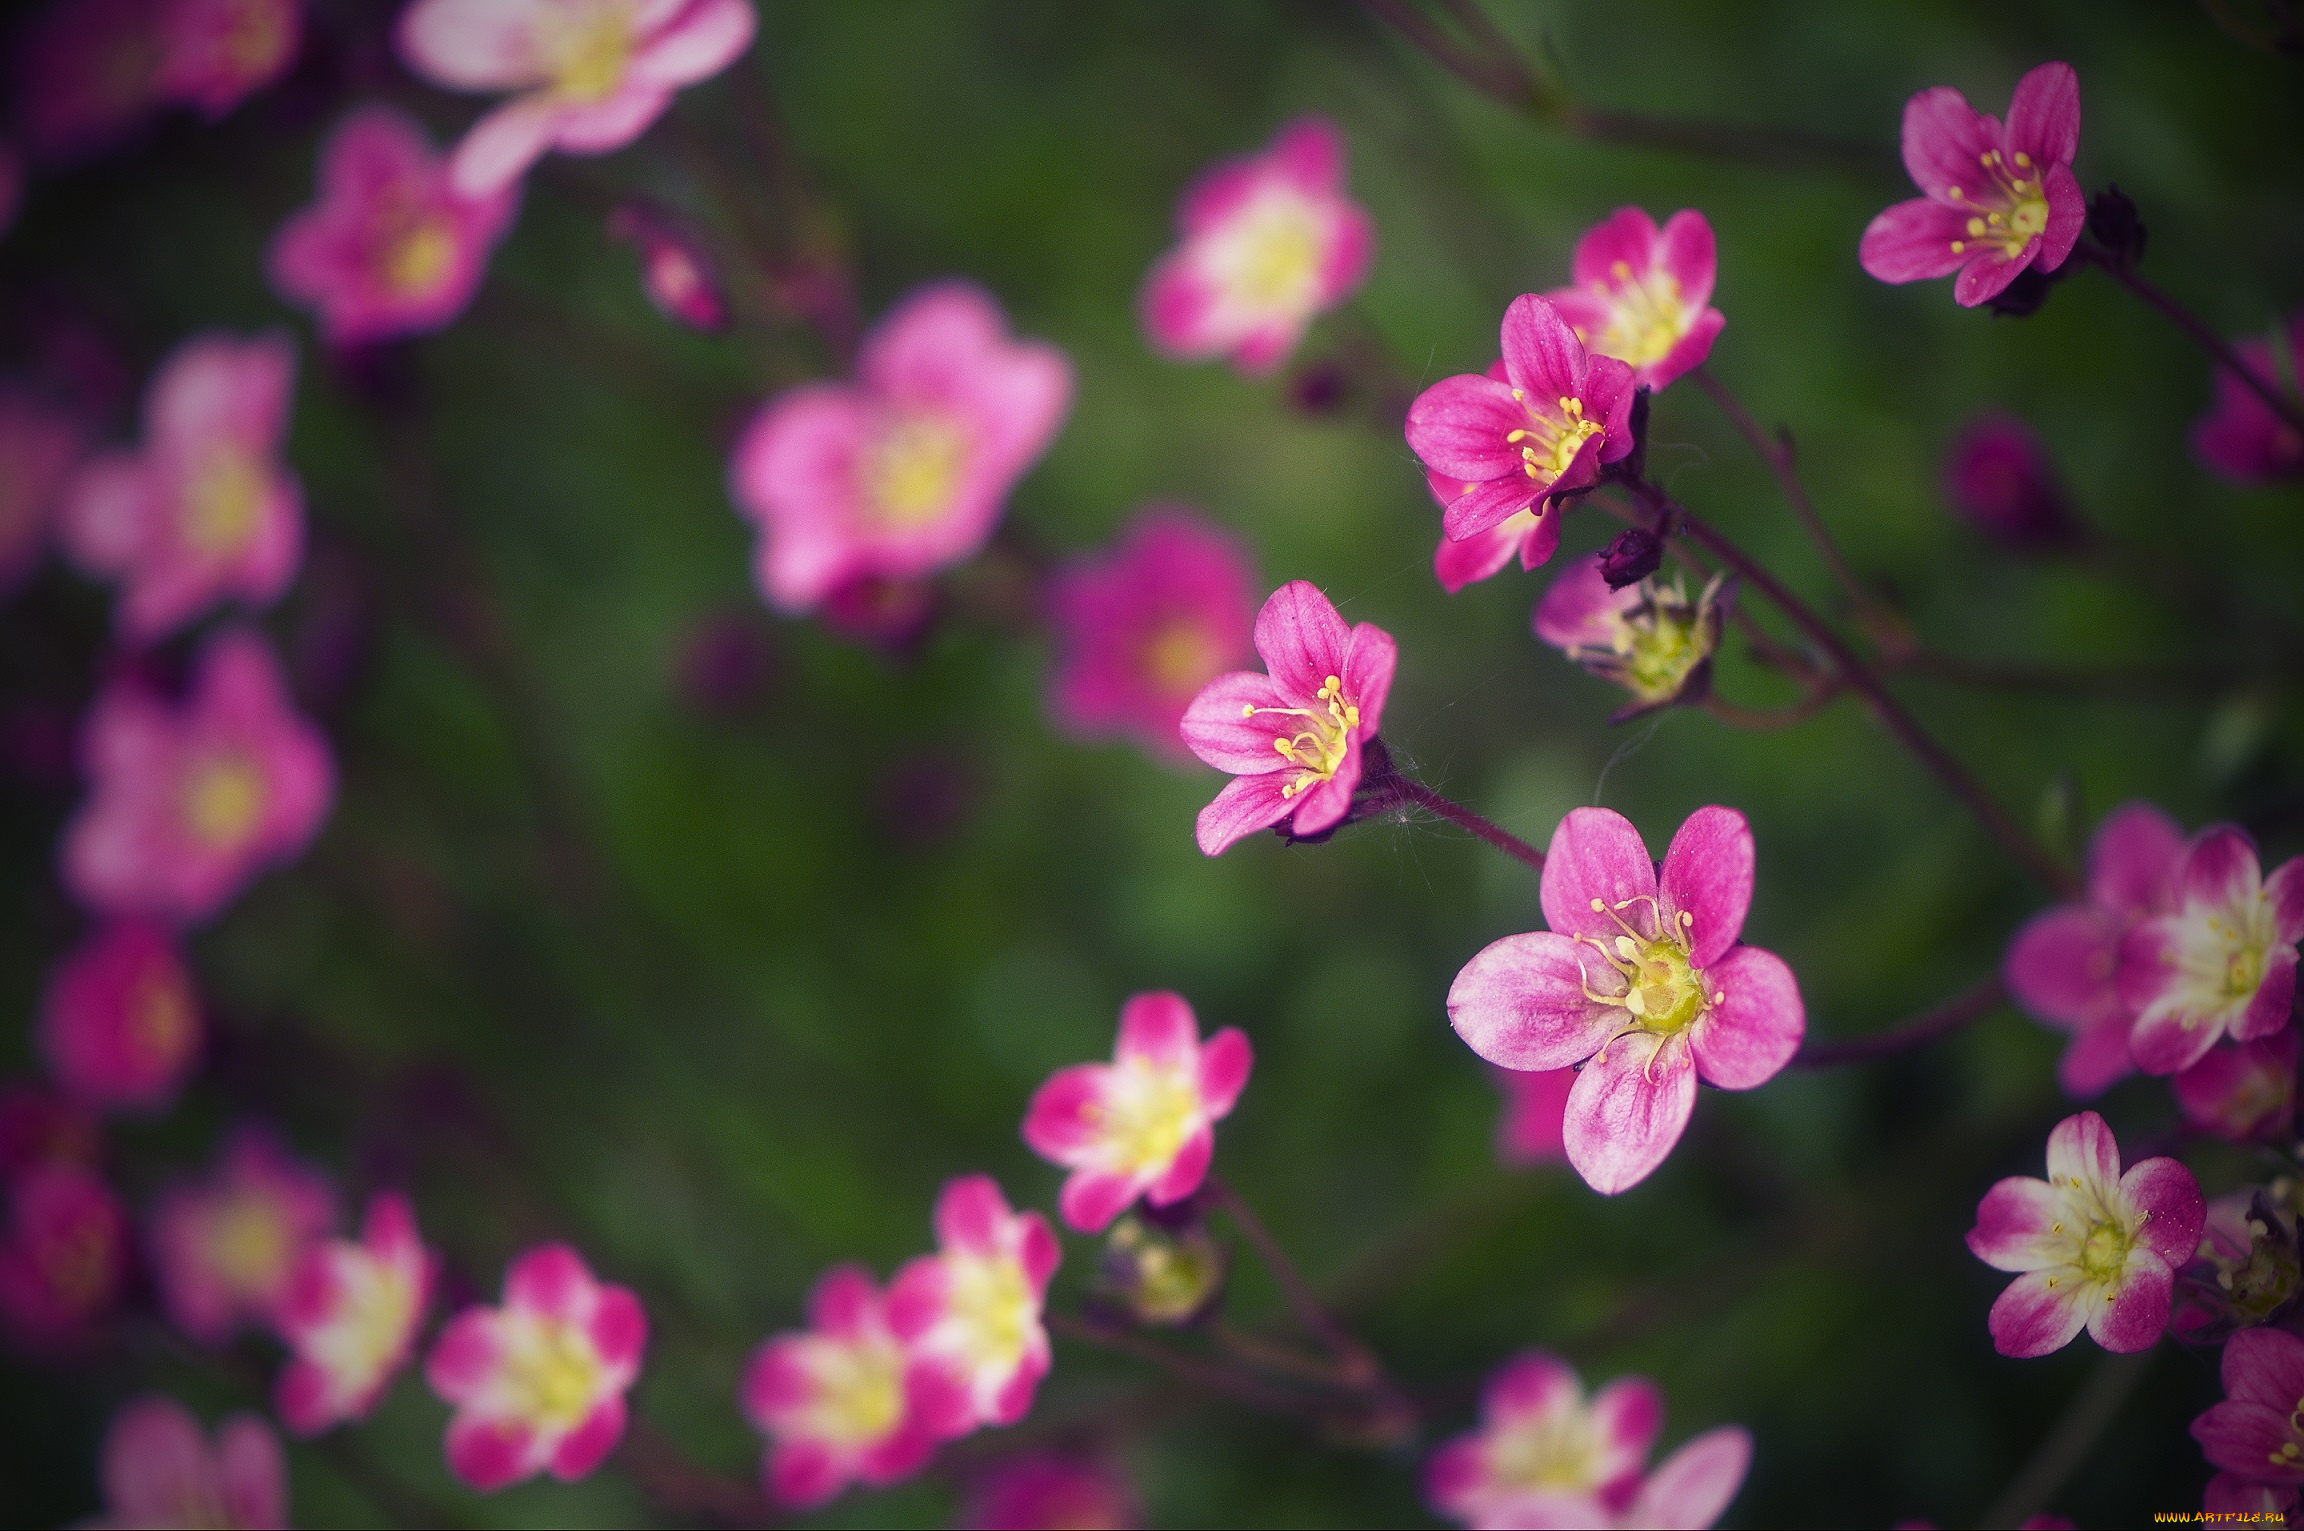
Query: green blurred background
x=724 y=994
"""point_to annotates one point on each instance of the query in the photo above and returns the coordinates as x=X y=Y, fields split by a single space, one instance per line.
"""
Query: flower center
x=160 y=1019
x=2104 y=1252
x=2011 y=205
x=1558 y=1453
x=224 y=800
x=2244 y=970
x=416 y=260
x=223 y=502
x=554 y=1371
x=1274 y=260
x=1322 y=738
x=860 y=1391
x=379 y=1312
x=1646 y=318
x=248 y=1242
x=913 y=470
x=993 y=1307
x=1147 y=1112
x=1550 y=441
x=1179 y=657
x=1663 y=993
x=589 y=53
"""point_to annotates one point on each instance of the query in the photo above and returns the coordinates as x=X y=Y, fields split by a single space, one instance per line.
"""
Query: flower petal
x=2061 y=965
x=1225 y=1062
x=1747 y=1037
x=1457 y=428
x=1627 y=1416
x=1159 y=1028
x=2044 y=114
x=1944 y=141
x=1692 y=1488
x=1219 y=729
x=1629 y=1106
x=1542 y=356
x=1369 y=662
x=2018 y=1226
x=581 y=1451
x=1520 y=1002
x=1302 y=640
x=2174 y=1211
x=971 y=1215
x=2264 y=1366
x=1090 y=1199
x=1708 y=877
x=1597 y=856
x=1246 y=805
x=1914 y=241
x=2083 y=1155
x=2033 y=1318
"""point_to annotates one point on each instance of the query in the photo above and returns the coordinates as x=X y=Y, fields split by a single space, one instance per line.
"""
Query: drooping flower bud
x=2114 y=223
x=1999 y=480
x=674 y=270
x=1635 y=554
x=1648 y=637
x=1164 y=1273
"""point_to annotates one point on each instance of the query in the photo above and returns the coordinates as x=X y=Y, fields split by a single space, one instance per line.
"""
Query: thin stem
x=1768 y=719
x=1361 y=1368
x=2203 y=336
x=2075 y=1434
x=1191 y=1369
x=1977 y=1000
x=1892 y=713
x=1777 y=454
x=1282 y=1359
x=1464 y=818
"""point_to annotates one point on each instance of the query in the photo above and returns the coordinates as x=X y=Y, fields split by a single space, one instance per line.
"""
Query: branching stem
x=1975 y=1001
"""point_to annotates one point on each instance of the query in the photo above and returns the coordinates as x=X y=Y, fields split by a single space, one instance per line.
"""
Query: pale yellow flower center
x=1180 y=657
x=1146 y=1113
x=419 y=257
x=550 y=1369
x=1663 y=991
x=992 y=1305
x=223 y=502
x=1559 y=1452
x=1271 y=260
x=2011 y=205
x=586 y=54
x=912 y=471
x=248 y=1243
x=160 y=1017
x=224 y=800
x=860 y=1391
x=1646 y=316
x=1322 y=735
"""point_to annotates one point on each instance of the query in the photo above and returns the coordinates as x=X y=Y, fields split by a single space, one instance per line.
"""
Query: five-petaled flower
x=1641 y=980
x=2220 y=960
x=2241 y=1090
x=1269 y=241
x=538 y=1384
x=1292 y=737
x=1544 y=1455
x=2241 y=438
x=225 y=1250
x=2257 y=1433
x=188 y=802
x=908 y=468
x=120 y=1022
x=1648 y=637
x=969 y=1315
x=1643 y=294
x=585 y=76
x=1495 y=447
x=160 y=1469
x=840 y=1402
x=2092 y=1248
x=1998 y=478
x=204 y=511
x=389 y=248
x=1999 y=200
x=1142 y=1125
x=2063 y=966
x=1141 y=629
x=350 y=1317
x=64 y=1257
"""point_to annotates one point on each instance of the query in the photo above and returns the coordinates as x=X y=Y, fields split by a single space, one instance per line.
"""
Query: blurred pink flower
x=87 y=74
x=389 y=248
x=39 y=1126
x=120 y=1023
x=1533 y=1126
x=39 y=447
x=1140 y=629
x=65 y=1255
x=1142 y=1125
x=350 y=1316
x=1643 y=295
x=2241 y=1090
x=675 y=272
x=969 y=1315
x=1545 y=1456
x=584 y=76
x=218 y=53
x=2256 y=1434
x=1050 y=1491
x=838 y=1401
x=1649 y=1003
x=1647 y=637
x=2240 y=1501
x=538 y=1384
x=2063 y=966
x=1998 y=477
x=2241 y=439
x=1999 y=200
x=1270 y=241
x=1292 y=738
x=160 y=1470
x=188 y=802
x=204 y=511
x=224 y=1249
x=2093 y=1248
x=1493 y=448
x=908 y=468
x=2219 y=958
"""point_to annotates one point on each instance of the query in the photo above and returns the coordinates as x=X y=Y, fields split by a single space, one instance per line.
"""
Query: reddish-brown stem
x=1977 y=1000
x=1282 y=1359
x=1360 y=1366
x=1769 y=719
x=1777 y=454
x=2204 y=336
x=1201 y=1374
x=1464 y=818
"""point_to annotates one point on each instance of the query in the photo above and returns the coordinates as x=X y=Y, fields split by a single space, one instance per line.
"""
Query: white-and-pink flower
x=350 y=1316
x=160 y=1469
x=1142 y=1125
x=188 y=801
x=584 y=76
x=2220 y=959
x=1269 y=241
x=1545 y=1455
x=2094 y=1249
x=906 y=469
x=1643 y=294
x=840 y=1401
x=204 y=511
x=969 y=1315
x=225 y=1248
x=1641 y=980
x=538 y=1384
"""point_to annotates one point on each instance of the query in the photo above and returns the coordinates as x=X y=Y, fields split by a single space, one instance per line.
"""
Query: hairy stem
x=1777 y=454
x=1977 y=1000
x=1464 y=818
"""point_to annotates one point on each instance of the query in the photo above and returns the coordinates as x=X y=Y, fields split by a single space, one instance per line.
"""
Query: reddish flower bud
x=674 y=270
x=1998 y=478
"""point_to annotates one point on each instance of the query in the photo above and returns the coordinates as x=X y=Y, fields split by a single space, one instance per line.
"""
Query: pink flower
x=86 y=74
x=188 y=802
x=121 y=1022
x=1142 y=1125
x=2241 y=1090
x=1269 y=241
x=389 y=248
x=1045 y=1491
x=2095 y=1249
x=1140 y=629
x=585 y=76
x=1292 y=737
x=1642 y=295
x=906 y=469
x=1998 y=477
x=2255 y=1434
x=2244 y=1502
x=2220 y=960
x=2064 y=964
x=1998 y=200
x=204 y=511
x=1533 y=535
x=1533 y=1128
x=1492 y=448
x=969 y=1315
x=65 y=1256
x=160 y=1470
x=839 y=1402
x=38 y=448
x=538 y=1384
x=350 y=1316
x=218 y=53
x=2241 y=438
x=1640 y=980
x=1544 y=1456
x=1648 y=637
x=675 y=272
x=225 y=1249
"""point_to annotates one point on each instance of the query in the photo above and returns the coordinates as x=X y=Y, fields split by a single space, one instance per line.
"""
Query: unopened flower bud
x=2114 y=223
x=674 y=270
x=1635 y=554
x=1163 y=1276
x=1999 y=480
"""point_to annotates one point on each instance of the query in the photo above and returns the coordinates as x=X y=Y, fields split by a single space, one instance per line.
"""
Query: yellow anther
x=1955 y=194
x=2023 y=159
x=1599 y=906
x=1975 y=225
x=1958 y=246
x=1248 y=710
x=1514 y=436
x=1519 y=396
x=1620 y=269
